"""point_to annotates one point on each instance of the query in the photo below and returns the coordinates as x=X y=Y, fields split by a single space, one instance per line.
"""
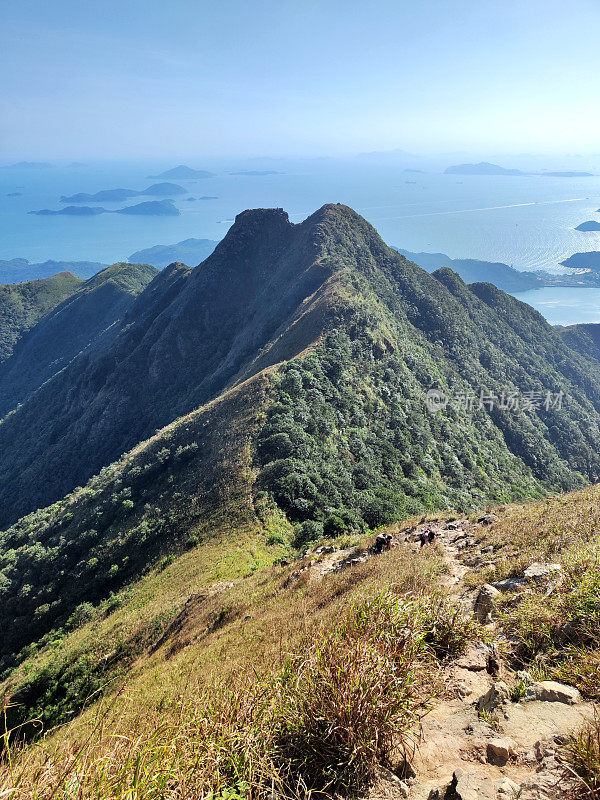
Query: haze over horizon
x=238 y=79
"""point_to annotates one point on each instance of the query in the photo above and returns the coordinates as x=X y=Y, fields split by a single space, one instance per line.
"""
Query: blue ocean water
x=564 y=305
x=525 y=221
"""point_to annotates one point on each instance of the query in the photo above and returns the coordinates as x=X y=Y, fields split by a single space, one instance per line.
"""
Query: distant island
x=71 y=211
x=189 y=251
x=568 y=174
x=483 y=168
x=257 y=172
x=591 y=225
x=154 y=208
x=586 y=261
x=419 y=171
x=501 y=275
x=183 y=173
x=27 y=165
x=117 y=195
x=18 y=270
x=14 y=194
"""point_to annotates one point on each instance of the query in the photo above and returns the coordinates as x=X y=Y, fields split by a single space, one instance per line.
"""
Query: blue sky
x=102 y=78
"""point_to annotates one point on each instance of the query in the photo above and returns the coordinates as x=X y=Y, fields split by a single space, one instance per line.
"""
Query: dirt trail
x=463 y=754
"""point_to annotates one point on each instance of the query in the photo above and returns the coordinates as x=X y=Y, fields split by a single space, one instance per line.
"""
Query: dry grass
x=581 y=760
x=338 y=705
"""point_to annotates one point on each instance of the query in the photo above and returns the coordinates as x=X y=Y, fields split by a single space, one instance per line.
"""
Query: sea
x=525 y=221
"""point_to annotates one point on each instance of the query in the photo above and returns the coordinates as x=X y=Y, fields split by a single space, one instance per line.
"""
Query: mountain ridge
x=270 y=290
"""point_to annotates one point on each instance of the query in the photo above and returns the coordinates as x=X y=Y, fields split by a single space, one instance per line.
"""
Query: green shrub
x=308 y=531
x=334 y=526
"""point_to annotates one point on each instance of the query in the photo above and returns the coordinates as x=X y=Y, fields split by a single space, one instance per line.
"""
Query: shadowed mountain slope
x=91 y=311
x=23 y=304
x=584 y=338
x=387 y=332
x=291 y=370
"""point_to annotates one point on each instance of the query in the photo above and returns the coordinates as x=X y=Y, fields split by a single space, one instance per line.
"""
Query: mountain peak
x=260 y=219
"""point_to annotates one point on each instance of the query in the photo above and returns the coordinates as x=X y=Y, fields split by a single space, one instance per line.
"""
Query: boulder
x=552 y=692
x=507 y=789
x=484 y=605
x=510 y=584
x=475 y=658
x=497 y=695
x=470 y=786
x=488 y=519
x=538 y=572
x=500 y=749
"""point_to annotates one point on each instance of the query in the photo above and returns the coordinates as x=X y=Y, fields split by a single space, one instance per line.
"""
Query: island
x=117 y=195
x=583 y=261
x=14 y=194
x=71 y=211
x=184 y=173
x=153 y=208
x=483 y=168
x=591 y=225
x=27 y=165
x=189 y=251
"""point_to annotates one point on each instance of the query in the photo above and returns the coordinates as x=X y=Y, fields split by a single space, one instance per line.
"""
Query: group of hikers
x=383 y=541
x=427 y=537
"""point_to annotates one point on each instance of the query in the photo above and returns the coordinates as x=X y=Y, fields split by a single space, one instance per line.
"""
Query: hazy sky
x=297 y=77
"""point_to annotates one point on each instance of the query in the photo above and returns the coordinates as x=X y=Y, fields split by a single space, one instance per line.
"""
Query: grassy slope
x=166 y=494
x=246 y=629
x=220 y=615
x=23 y=304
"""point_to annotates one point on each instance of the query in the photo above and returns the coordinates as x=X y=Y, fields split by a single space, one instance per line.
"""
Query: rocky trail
x=477 y=743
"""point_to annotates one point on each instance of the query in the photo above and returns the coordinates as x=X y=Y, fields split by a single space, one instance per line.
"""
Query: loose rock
x=552 y=692
x=507 y=789
x=496 y=695
x=538 y=571
x=469 y=786
x=484 y=605
x=500 y=750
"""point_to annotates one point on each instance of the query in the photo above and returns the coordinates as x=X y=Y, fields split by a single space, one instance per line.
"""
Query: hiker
x=388 y=541
x=431 y=536
x=380 y=543
x=423 y=539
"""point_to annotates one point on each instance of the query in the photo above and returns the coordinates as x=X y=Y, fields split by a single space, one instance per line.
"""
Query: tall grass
x=348 y=698
x=581 y=760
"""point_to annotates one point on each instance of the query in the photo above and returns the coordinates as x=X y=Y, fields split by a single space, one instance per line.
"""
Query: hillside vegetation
x=287 y=675
x=88 y=315
x=178 y=434
x=270 y=290
x=23 y=304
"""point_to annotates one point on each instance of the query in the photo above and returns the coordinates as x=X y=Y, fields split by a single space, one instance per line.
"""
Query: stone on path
x=496 y=695
x=470 y=786
x=552 y=692
x=484 y=605
x=500 y=749
x=538 y=571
